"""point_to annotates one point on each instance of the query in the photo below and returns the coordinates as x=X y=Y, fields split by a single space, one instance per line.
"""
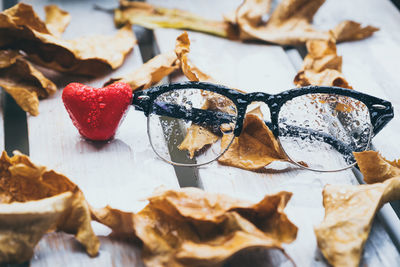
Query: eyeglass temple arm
x=195 y=115
x=210 y=117
x=297 y=131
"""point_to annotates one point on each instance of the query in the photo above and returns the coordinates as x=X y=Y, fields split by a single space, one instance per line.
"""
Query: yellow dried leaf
x=327 y=77
x=121 y=222
x=349 y=212
x=57 y=19
x=152 y=17
x=21 y=28
x=322 y=55
x=24 y=224
x=48 y=199
x=182 y=49
x=189 y=227
x=321 y=66
x=376 y=168
x=351 y=31
x=149 y=73
x=196 y=138
x=23 y=81
x=255 y=148
x=289 y=23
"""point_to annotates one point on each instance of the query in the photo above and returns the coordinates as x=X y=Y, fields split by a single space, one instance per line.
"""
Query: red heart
x=97 y=112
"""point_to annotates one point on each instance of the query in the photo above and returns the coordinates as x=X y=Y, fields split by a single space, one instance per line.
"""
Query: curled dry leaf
x=321 y=66
x=57 y=20
x=152 y=17
x=182 y=49
x=149 y=73
x=255 y=148
x=326 y=77
x=289 y=23
x=21 y=28
x=189 y=227
x=351 y=31
x=376 y=168
x=196 y=138
x=349 y=212
x=34 y=201
x=23 y=81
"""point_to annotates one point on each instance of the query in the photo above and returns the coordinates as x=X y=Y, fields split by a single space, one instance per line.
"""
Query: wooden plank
x=120 y=173
x=259 y=67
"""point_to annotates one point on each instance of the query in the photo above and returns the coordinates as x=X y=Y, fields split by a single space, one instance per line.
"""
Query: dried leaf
x=349 y=212
x=321 y=66
x=57 y=19
x=24 y=224
x=190 y=227
x=150 y=73
x=21 y=28
x=255 y=148
x=322 y=55
x=327 y=77
x=48 y=199
x=376 y=168
x=23 y=81
x=121 y=222
x=289 y=23
x=182 y=49
x=196 y=138
x=152 y=17
x=351 y=31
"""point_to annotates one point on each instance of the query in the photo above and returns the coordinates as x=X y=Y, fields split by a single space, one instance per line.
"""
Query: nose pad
x=261 y=110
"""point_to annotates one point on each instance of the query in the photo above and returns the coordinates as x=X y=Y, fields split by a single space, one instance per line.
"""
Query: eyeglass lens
x=191 y=126
x=315 y=127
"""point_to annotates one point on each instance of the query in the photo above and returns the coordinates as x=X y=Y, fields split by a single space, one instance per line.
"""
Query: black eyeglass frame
x=381 y=111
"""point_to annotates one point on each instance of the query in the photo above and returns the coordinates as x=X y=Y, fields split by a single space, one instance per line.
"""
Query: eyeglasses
x=311 y=123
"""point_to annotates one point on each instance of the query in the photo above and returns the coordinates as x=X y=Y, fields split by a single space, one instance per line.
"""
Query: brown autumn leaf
x=255 y=148
x=150 y=72
x=321 y=66
x=182 y=49
x=57 y=19
x=197 y=137
x=376 y=168
x=190 y=227
x=351 y=31
x=31 y=193
x=21 y=28
x=289 y=23
x=153 y=17
x=23 y=81
x=349 y=213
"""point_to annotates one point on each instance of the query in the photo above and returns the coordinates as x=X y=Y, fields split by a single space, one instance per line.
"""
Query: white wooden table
x=123 y=172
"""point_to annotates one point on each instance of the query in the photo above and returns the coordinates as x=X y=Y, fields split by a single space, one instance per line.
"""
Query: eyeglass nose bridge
x=273 y=103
